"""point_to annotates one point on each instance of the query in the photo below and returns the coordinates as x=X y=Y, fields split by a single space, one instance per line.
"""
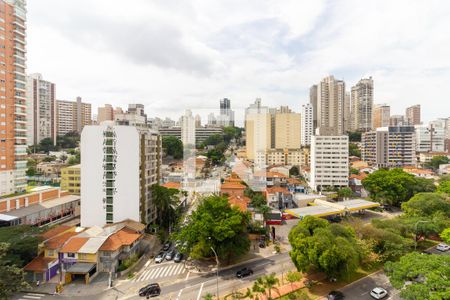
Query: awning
x=81 y=268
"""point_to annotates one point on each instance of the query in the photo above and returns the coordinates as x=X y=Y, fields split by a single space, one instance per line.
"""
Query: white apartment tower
x=257 y=132
x=119 y=164
x=330 y=106
x=362 y=105
x=329 y=162
x=307 y=124
x=41 y=109
x=430 y=138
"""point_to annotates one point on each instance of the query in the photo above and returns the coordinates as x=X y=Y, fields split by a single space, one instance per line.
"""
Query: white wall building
x=118 y=166
x=329 y=162
x=307 y=124
x=430 y=138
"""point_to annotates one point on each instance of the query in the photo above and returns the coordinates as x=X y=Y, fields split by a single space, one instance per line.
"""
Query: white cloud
x=171 y=55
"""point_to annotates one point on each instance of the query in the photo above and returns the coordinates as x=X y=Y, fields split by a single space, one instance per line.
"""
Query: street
x=359 y=290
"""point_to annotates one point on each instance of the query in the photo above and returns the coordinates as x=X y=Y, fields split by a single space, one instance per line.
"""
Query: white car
x=378 y=293
x=442 y=247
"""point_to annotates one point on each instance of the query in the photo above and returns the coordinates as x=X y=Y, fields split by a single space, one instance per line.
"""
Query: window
x=72 y=255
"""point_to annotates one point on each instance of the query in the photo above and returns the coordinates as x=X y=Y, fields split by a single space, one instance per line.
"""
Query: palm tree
x=208 y=297
x=258 y=287
x=269 y=282
x=166 y=201
x=293 y=276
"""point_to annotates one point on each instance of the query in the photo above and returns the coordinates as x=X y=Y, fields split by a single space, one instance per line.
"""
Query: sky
x=173 y=55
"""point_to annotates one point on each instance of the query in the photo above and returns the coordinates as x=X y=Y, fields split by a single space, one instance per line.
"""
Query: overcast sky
x=176 y=54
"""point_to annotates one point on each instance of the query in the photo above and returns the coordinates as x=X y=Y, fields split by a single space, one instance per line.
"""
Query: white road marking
x=179 y=294
x=150 y=275
x=147 y=263
x=39 y=295
x=157 y=273
x=187 y=275
x=31 y=297
x=166 y=271
x=200 y=291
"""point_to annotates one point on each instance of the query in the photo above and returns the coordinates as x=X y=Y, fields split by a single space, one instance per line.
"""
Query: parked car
x=160 y=257
x=167 y=246
x=442 y=247
x=244 y=272
x=170 y=254
x=427 y=252
x=378 y=293
x=178 y=257
x=262 y=241
x=151 y=290
x=335 y=295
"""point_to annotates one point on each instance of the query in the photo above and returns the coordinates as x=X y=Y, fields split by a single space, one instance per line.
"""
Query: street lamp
x=217 y=271
x=415 y=232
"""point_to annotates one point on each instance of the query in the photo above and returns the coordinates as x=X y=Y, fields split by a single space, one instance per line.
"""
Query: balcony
x=20 y=120
x=21 y=112
x=20 y=24
x=20 y=31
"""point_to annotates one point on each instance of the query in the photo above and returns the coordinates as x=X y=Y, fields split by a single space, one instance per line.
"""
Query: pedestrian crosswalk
x=31 y=296
x=160 y=272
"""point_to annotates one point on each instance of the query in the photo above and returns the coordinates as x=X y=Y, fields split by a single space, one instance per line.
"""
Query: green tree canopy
x=427 y=276
x=444 y=187
x=23 y=240
x=353 y=150
x=294 y=171
x=395 y=186
x=216 y=224
x=332 y=249
x=167 y=202
x=427 y=205
x=173 y=146
x=445 y=235
x=354 y=136
x=69 y=140
x=436 y=161
x=345 y=192
x=11 y=277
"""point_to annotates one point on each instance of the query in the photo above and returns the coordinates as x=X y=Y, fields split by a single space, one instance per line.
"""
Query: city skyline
x=271 y=51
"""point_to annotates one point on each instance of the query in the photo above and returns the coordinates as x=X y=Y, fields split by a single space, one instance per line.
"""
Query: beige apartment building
x=287 y=129
x=13 y=106
x=257 y=131
x=289 y=157
x=72 y=115
x=381 y=116
x=105 y=113
x=412 y=115
x=362 y=105
x=330 y=106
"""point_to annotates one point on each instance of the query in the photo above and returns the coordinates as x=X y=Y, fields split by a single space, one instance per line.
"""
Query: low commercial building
x=71 y=179
x=44 y=206
x=291 y=157
x=50 y=169
x=201 y=133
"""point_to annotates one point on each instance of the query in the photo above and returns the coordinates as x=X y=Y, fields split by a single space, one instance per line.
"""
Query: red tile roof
x=240 y=202
x=172 y=185
x=277 y=189
x=58 y=241
x=39 y=263
x=55 y=231
x=74 y=244
x=232 y=186
x=123 y=237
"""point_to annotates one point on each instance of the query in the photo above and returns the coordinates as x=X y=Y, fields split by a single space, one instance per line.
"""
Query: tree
x=23 y=243
x=293 y=276
x=445 y=235
x=294 y=171
x=395 y=186
x=353 y=150
x=12 y=278
x=444 y=187
x=46 y=145
x=420 y=277
x=345 y=192
x=31 y=171
x=216 y=156
x=269 y=282
x=49 y=158
x=427 y=205
x=173 y=146
x=354 y=136
x=258 y=200
x=167 y=202
x=332 y=249
x=208 y=297
x=218 y=225
x=69 y=140
x=436 y=161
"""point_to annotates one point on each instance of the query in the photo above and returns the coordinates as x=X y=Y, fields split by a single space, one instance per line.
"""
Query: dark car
x=160 y=257
x=170 y=254
x=167 y=246
x=262 y=241
x=335 y=295
x=151 y=290
x=244 y=272
x=178 y=257
x=427 y=252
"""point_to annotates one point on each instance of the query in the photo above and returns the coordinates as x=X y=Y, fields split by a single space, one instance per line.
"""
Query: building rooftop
x=55 y=231
x=232 y=185
x=74 y=244
x=123 y=237
x=58 y=241
x=240 y=202
x=39 y=263
x=172 y=185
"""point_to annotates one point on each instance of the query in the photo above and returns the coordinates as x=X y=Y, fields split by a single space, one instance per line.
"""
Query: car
x=178 y=257
x=167 y=246
x=378 y=293
x=335 y=295
x=427 y=252
x=244 y=272
x=442 y=247
x=151 y=290
x=262 y=241
x=170 y=254
x=160 y=257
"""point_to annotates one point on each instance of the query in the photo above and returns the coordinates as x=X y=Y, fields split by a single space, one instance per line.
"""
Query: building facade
x=362 y=105
x=257 y=132
x=105 y=113
x=307 y=127
x=71 y=179
x=330 y=106
x=412 y=115
x=430 y=138
x=41 y=109
x=72 y=116
x=226 y=116
x=389 y=147
x=123 y=162
x=381 y=116
x=287 y=129
x=329 y=162
x=13 y=101
x=313 y=102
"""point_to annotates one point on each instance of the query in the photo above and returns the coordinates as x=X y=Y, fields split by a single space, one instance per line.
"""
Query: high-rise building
x=198 y=121
x=313 y=102
x=287 y=129
x=362 y=105
x=13 y=106
x=41 y=109
x=134 y=116
x=72 y=116
x=381 y=116
x=257 y=132
x=212 y=121
x=137 y=109
x=430 y=138
x=412 y=115
x=226 y=116
x=330 y=106
x=105 y=113
x=392 y=146
x=329 y=162
x=307 y=124
x=119 y=164
x=397 y=120
x=347 y=113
